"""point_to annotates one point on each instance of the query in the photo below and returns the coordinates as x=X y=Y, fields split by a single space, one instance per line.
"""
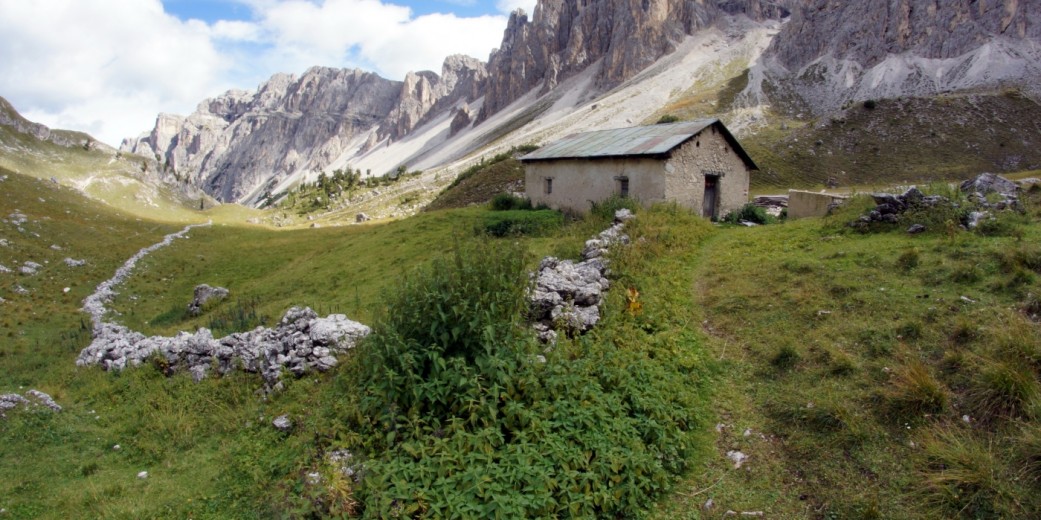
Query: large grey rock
x=990 y=183
x=204 y=293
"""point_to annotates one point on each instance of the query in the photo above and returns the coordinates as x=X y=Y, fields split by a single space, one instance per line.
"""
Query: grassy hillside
x=875 y=143
x=209 y=448
x=901 y=141
x=119 y=180
x=480 y=183
x=873 y=375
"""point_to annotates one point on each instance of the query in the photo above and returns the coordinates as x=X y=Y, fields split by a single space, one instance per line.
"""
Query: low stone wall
x=567 y=295
x=300 y=343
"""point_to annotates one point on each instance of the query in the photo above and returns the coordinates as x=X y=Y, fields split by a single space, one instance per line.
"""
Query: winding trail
x=95 y=303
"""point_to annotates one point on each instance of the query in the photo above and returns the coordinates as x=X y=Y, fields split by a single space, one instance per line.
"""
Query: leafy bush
x=749 y=213
x=666 y=119
x=521 y=222
x=461 y=419
x=509 y=201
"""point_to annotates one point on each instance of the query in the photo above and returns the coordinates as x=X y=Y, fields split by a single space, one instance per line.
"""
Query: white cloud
x=509 y=6
x=109 y=66
x=373 y=35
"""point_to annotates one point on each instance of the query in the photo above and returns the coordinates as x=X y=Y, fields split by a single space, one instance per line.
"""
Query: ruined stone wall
x=579 y=182
x=708 y=153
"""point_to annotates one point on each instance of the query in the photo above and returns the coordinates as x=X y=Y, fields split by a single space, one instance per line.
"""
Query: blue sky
x=212 y=10
x=107 y=67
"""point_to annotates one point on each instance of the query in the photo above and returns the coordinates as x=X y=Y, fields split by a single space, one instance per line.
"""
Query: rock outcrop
x=240 y=145
x=565 y=37
x=833 y=52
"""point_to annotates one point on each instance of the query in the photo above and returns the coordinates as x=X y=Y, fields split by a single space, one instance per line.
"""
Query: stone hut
x=699 y=164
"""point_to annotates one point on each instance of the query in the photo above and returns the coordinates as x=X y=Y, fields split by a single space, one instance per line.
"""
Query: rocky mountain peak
x=564 y=37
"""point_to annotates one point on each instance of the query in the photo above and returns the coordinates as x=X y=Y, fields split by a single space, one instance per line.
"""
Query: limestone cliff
x=240 y=144
x=565 y=37
x=833 y=52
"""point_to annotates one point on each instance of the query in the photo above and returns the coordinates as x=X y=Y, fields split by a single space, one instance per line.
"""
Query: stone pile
x=978 y=189
x=986 y=193
x=38 y=398
x=566 y=296
x=300 y=343
x=889 y=206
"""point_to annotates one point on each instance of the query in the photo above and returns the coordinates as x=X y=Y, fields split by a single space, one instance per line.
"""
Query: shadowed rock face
x=868 y=32
x=566 y=36
x=832 y=52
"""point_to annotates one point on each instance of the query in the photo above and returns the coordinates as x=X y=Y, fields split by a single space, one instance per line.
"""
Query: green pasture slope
x=877 y=375
x=209 y=448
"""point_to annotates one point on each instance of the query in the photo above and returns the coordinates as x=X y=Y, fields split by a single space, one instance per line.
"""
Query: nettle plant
x=464 y=415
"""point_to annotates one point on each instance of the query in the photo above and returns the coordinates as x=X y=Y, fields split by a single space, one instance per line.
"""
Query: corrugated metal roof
x=621 y=142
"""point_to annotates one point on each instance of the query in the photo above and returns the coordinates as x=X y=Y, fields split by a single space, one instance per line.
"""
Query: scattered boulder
x=362 y=217
x=38 y=398
x=986 y=192
x=75 y=263
x=30 y=268
x=17 y=218
x=282 y=423
x=915 y=229
x=203 y=294
x=4 y=269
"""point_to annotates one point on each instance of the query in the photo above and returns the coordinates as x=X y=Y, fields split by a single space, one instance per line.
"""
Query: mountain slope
x=77 y=160
x=582 y=65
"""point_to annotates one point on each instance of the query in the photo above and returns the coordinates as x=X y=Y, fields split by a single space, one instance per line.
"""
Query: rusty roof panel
x=640 y=140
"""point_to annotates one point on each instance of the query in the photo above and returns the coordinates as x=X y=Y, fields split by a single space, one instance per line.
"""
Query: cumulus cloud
x=109 y=66
x=372 y=35
x=509 y=6
x=89 y=65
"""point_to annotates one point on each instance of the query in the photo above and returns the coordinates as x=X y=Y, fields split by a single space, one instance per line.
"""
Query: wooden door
x=709 y=203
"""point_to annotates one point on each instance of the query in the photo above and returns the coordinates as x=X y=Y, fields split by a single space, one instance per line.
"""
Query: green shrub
x=908 y=260
x=509 y=201
x=521 y=222
x=749 y=213
x=666 y=119
x=461 y=419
